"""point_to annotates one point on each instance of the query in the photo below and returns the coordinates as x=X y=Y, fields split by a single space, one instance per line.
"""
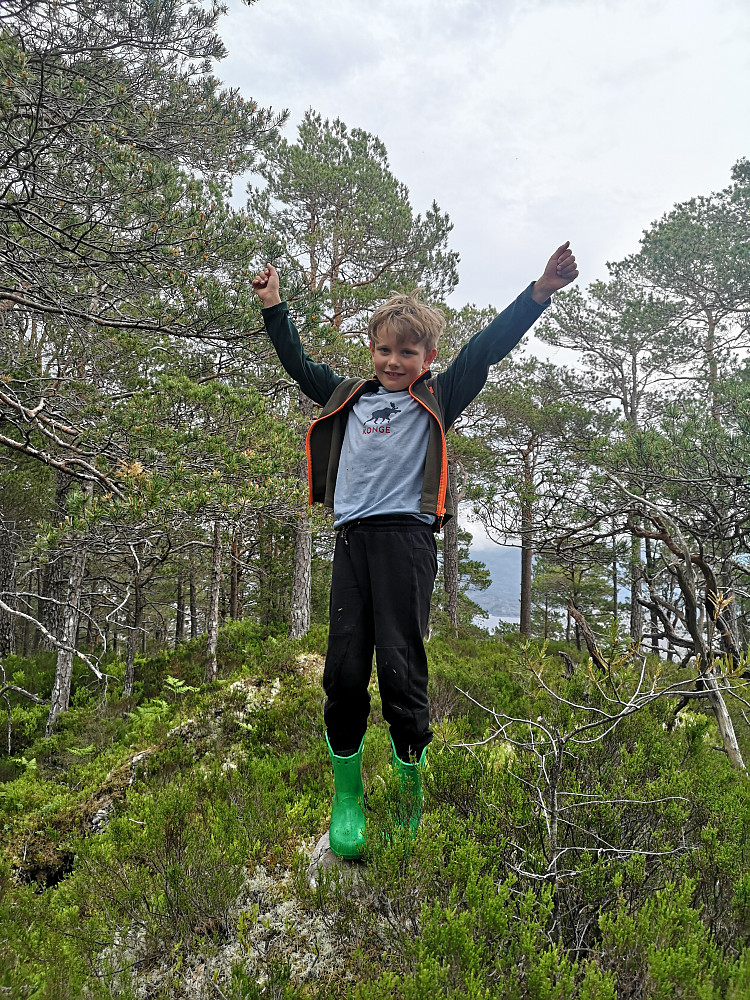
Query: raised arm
x=561 y=269
x=316 y=380
x=465 y=378
x=266 y=285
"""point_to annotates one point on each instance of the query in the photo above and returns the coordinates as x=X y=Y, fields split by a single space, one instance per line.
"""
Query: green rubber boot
x=409 y=810
x=347 y=831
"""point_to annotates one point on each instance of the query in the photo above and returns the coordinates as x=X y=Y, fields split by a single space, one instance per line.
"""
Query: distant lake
x=502 y=599
x=492 y=621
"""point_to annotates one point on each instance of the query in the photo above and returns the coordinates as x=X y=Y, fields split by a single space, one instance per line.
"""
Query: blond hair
x=409 y=319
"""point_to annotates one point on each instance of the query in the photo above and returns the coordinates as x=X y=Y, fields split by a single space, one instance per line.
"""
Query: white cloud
x=529 y=122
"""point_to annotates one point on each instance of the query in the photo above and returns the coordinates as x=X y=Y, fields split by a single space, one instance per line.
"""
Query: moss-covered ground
x=158 y=846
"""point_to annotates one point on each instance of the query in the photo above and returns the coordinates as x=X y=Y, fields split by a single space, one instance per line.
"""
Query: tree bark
x=583 y=628
x=723 y=720
x=636 y=579
x=212 y=618
x=615 y=581
x=713 y=368
x=299 y=609
x=527 y=552
x=234 y=579
x=7 y=587
x=653 y=618
x=88 y=639
x=683 y=570
x=60 y=700
x=193 y=605
x=136 y=622
x=51 y=611
x=179 y=623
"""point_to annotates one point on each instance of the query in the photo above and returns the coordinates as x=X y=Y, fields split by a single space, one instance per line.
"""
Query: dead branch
x=588 y=636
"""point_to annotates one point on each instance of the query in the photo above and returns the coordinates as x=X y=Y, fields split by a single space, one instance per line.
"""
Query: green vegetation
x=157 y=846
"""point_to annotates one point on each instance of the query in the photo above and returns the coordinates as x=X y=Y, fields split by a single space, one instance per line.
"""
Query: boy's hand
x=266 y=285
x=560 y=271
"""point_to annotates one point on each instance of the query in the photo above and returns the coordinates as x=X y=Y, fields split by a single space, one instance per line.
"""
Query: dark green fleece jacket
x=444 y=396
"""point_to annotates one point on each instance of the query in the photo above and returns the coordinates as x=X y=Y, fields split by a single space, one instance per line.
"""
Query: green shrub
x=40 y=953
x=470 y=908
x=665 y=951
x=27 y=722
x=490 y=940
x=168 y=869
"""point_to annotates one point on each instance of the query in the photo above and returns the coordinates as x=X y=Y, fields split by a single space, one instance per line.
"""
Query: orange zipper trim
x=307 y=440
x=443 y=481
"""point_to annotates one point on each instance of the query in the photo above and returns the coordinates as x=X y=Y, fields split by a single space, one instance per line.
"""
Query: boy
x=377 y=456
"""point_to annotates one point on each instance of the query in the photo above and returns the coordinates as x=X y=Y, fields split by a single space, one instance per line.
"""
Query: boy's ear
x=429 y=358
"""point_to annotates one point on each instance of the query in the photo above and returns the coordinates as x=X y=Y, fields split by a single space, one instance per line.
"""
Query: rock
x=257 y=694
x=311 y=665
x=102 y=816
x=323 y=859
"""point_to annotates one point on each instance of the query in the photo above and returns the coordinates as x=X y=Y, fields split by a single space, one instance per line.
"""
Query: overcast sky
x=528 y=121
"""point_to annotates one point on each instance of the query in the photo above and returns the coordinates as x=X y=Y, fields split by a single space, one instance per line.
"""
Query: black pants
x=383 y=574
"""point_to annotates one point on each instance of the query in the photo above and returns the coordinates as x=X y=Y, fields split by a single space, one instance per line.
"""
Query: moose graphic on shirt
x=381 y=420
x=383 y=415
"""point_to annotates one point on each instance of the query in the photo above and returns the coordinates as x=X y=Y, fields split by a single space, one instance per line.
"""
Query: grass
x=208 y=802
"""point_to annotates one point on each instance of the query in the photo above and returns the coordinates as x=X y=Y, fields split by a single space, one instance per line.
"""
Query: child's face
x=398 y=365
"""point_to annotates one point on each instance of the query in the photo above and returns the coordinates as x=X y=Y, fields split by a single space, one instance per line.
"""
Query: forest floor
x=159 y=846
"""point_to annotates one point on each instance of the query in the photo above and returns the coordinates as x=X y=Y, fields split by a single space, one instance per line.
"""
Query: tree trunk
x=636 y=579
x=89 y=637
x=212 y=618
x=60 y=699
x=299 y=610
x=193 y=605
x=450 y=551
x=615 y=581
x=179 y=623
x=724 y=721
x=714 y=388
x=527 y=551
x=51 y=608
x=27 y=638
x=136 y=622
x=7 y=587
x=728 y=584
x=234 y=579
x=653 y=617
x=684 y=572
x=39 y=581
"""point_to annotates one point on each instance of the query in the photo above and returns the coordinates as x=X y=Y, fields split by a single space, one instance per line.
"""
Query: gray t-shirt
x=382 y=459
